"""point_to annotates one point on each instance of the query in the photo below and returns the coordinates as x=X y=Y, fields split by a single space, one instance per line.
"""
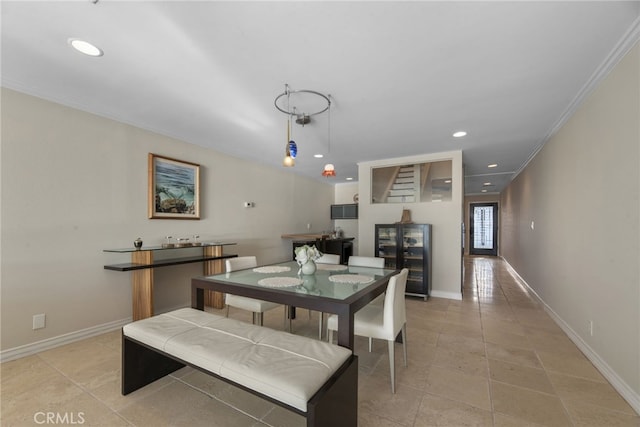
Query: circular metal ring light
x=291 y=111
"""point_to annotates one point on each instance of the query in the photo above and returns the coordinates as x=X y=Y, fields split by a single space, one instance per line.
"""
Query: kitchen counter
x=342 y=246
x=308 y=236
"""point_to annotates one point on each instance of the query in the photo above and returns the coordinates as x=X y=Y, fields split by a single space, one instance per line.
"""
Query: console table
x=143 y=262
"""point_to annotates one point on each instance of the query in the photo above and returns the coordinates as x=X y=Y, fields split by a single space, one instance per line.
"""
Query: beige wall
x=74 y=184
x=446 y=218
x=582 y=258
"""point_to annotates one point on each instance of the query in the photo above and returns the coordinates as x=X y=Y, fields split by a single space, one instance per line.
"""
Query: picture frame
x=174 y=188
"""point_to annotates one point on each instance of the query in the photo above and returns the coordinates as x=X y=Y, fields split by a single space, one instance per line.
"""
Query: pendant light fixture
x=293 y=148
x=288 y=158
x=318 y=102
x=303 y=100
x=329 y=170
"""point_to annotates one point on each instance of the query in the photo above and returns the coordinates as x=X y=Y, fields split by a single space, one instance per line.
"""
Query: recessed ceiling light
x=492 y=165
x=484 y=191
x=318 y=156
x=85 y=47
x=459 y=134
x=447 y=181
x=349 y=179
x=486 y=184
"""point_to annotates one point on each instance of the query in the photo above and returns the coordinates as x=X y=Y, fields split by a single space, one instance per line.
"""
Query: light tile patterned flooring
x=493 y=359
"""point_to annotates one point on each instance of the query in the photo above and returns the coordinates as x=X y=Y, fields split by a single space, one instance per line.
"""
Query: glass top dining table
x=337 y=289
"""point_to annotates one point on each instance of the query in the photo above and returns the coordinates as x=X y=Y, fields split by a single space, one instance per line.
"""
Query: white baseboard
x=448 y=295
x=49 y=343
x=632 y=398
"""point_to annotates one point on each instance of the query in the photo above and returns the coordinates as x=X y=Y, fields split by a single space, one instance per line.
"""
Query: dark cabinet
x=348 y=211
x=407 y=246
x=342 y=247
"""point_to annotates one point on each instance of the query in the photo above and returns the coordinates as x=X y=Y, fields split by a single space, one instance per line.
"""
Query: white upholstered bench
x=313 y=378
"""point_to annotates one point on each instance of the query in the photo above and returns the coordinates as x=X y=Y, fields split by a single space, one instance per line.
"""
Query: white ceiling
x=403 y=76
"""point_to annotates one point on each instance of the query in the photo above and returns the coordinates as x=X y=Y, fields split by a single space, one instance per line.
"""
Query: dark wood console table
x=143 y=264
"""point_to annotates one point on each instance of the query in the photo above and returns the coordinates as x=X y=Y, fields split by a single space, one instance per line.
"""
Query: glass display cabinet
x=407 y=246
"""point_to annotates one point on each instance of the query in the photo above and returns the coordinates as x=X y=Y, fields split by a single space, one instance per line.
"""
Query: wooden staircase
x=406 y=185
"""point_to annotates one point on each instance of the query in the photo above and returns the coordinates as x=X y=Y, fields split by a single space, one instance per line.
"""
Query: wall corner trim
x=448 y=295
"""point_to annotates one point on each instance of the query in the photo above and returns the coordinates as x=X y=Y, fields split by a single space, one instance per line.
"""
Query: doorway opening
x=483 y=229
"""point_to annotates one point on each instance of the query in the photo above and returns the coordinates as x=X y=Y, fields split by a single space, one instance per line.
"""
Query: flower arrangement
x=307 y=253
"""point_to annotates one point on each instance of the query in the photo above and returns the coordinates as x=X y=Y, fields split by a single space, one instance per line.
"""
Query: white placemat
x=350 y=278
x=279 y=282
x=272 y=269
x=331 y=267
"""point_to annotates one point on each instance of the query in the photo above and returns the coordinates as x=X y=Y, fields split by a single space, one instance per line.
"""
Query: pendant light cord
x=329 y=126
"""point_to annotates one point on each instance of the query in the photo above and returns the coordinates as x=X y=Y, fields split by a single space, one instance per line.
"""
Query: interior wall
x=582 y=256
x=74 y=184
x=490 y=198
x=446 y=218
x=344 y=194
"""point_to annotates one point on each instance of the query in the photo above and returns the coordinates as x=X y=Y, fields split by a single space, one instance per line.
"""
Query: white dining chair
x=328 y=259
x=373 y=262
x=325 y=259
x=255 y=306
x=366 y=261
x=382 y=322
x=369 y=261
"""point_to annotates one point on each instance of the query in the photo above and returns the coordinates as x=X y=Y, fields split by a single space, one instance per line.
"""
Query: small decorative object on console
x=137 y=243
x=168 y=243
x=183 y=242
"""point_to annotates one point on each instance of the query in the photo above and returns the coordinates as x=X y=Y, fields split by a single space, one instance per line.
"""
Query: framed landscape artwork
x=174 y=188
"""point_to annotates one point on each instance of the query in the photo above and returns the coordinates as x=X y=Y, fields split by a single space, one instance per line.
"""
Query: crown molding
x=620 y=50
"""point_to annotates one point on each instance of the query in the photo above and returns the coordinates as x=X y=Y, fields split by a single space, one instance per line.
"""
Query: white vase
x=309 y=284
x=308 y=267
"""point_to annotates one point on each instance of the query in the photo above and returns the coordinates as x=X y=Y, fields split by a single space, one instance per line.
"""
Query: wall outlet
x=39 y=321
x=533 y=225
x=308 y=226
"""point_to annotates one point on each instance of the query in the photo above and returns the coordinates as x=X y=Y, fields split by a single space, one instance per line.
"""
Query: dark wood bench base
x=334 y=405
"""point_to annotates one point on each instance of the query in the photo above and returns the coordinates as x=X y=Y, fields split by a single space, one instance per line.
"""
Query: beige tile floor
x=493 y=359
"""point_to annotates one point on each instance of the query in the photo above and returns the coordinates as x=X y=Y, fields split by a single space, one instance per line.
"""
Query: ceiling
x=403 y=76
